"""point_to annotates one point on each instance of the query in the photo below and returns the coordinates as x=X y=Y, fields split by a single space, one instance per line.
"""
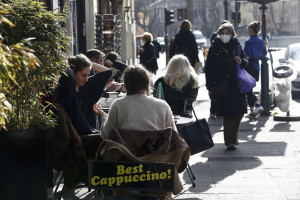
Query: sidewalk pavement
x=265 y=165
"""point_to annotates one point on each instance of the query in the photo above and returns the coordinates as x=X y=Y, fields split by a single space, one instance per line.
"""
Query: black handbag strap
x=195 y=114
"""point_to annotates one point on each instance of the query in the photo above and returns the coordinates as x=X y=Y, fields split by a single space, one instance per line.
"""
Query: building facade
x=85 y=23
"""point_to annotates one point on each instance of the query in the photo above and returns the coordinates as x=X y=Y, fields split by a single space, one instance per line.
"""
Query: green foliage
x=31 y=50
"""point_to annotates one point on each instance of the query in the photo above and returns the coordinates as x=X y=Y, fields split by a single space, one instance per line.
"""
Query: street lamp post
x=226 y=9
x=265 y=96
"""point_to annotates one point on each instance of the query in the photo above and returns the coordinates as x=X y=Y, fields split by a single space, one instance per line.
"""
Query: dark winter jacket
x=176 y=99
x=218 y=66
x=121 y=68
x=148 y=57
x=185 y=43
x=79 y=105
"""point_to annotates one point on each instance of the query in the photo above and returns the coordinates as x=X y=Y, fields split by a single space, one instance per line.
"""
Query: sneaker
x=231 y=147
x=212 y=115
x=258 y=110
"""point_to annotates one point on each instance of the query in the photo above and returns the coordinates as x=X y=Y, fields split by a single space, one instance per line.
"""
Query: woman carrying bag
x=221 y=72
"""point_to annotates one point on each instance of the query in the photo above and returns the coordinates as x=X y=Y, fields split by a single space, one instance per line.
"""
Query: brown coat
x=67 y=149
x=147 y=146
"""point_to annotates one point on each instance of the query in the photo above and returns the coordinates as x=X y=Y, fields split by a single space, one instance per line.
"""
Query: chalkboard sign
x=137 y=176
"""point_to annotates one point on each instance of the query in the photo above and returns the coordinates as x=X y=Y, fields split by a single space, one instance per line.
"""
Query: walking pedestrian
x=185 y=43
x=255 y=49
x=147 y=53
x=221 y=65
x=157 y=46
x=213 y=105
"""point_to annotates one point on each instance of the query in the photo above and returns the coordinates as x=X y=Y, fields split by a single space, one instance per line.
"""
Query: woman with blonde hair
x=148 y=53
x=185 y=43
x=180 y=85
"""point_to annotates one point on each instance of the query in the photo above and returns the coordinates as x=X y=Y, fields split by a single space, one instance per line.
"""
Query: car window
x=295 y=54
x=198 y=36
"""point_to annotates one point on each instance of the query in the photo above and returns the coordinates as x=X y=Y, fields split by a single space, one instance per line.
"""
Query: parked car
x=200 y=39
x=161 y=41
x=292 y=57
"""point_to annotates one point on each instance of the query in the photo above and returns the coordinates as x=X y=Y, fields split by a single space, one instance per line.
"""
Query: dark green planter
x=24 y=164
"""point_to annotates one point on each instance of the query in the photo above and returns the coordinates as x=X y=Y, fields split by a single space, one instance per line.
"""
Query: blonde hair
x=180 y=73
x=147 y=37
x=185 y=24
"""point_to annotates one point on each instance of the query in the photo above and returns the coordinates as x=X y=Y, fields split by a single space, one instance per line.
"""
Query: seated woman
x=137 y=110
x=112 y=61
x=77 y=92
x=180 y=86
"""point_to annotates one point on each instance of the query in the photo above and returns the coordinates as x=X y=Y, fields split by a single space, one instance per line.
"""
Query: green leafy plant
x=32 y=44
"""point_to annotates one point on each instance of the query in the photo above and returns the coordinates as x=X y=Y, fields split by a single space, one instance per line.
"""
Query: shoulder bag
x=197 y=135
x=245 y=81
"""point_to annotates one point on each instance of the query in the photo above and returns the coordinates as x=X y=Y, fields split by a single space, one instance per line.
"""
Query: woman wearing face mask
x=220 y=65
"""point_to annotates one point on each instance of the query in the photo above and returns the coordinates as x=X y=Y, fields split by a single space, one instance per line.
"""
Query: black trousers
x=90 y=144
x=251 y=98
x=231 y=125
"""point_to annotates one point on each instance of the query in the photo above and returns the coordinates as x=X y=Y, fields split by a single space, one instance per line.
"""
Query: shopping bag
x=245 y=81
x=197 y=135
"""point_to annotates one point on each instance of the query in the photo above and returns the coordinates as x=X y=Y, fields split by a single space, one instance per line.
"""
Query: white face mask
x=225 y=38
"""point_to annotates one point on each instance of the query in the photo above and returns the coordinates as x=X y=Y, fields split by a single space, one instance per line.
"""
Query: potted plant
x=32 y=43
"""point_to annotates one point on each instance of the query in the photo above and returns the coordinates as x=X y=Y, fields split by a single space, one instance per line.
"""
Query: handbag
x=197 y=135
x=219 y=90
x=244 y=80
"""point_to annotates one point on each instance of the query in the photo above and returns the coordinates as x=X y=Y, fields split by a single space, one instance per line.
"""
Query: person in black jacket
x=77 y=92
x=180 y=86
x=112 y=61
x=185 y=43
x=213 y=103
x=147 y=53
x=157 y=46
x=221 y=63
x=98 y=57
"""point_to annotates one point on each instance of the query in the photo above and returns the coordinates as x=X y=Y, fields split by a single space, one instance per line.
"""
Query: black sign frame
x=144 y=176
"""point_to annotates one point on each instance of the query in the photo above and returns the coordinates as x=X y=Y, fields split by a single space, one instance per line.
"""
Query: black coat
x=148 y=57
x=185 y=43
x=218 y=66
x=176 y=99
x=79 y=105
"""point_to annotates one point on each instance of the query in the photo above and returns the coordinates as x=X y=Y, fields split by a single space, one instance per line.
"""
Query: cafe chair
x=184 y=107
x=165 y=146
x=68 y=155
